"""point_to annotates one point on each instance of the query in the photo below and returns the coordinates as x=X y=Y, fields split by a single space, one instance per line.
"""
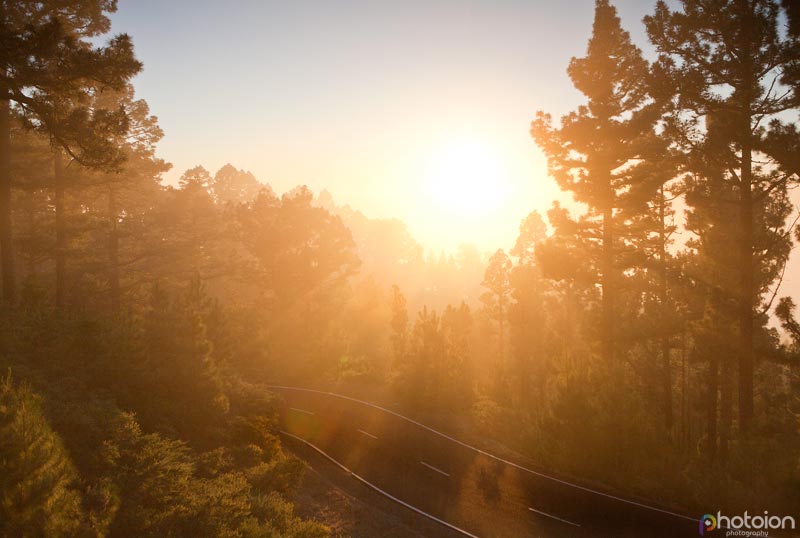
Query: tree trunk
x=665 y=349
x=6 y=230
x=607 y=284
x=523 y=362
x=667 y=384
x=685 y=432
x=501 y=331
x=711 y=406
x=712 y=350
x=30 y=214
x=113 y=254
x=567 y=339
x=59 y=188
x=524 y=383
x=726 y=405
x=746 y=292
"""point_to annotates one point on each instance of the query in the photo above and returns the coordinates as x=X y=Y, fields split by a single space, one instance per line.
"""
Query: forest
x=642 y=343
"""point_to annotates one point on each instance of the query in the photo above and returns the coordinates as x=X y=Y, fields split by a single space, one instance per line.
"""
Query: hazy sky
x=363 y=98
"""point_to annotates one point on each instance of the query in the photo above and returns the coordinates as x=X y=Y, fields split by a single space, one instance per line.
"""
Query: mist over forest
x=193 y=353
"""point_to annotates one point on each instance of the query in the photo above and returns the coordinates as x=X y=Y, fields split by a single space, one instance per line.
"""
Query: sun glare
x=466 y=178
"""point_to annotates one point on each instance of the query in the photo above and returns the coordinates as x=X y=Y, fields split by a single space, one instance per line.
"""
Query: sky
x=374 y=101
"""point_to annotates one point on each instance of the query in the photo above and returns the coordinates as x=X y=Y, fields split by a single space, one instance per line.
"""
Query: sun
x=466 y=178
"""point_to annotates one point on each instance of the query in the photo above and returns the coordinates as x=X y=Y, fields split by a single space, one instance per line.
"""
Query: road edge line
x=379 y=490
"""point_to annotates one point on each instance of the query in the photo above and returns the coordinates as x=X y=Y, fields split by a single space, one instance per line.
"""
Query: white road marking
x=301 y=411
x=553 y=517
x=367 y=434
x=379 y=490
x=488 y=454
x=432 y=468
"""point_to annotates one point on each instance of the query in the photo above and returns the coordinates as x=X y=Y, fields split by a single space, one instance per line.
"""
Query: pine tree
x=711 y=217
x=38 y=493
x=50 y=70
x=180 y=362
x=456 y=364
x=235 y=186
x=115 y=201
x=526 y=315
x=427 y=353
x=727 y=59
x=31 y=167
x=189 y=230
x=648 y=209
x=130 y=191
x=304 y=257
x=594 y=152
x=399 y=326
x=785 y=313
x=498 y=297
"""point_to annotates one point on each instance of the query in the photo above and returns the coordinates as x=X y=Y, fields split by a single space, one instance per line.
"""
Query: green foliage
x=526 y=315
x=496 y=281
x=153 y=476
x=39 y=488
x=725 y=64
x=282 y=521
x=785 y=313
x=134 y=482
x=232 y=186
x=304 y=257
x=399 y=325
x=180 y=360
x=436 y=372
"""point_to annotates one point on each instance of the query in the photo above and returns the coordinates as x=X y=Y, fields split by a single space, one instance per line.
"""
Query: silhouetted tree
x=648 y=209
x=183 y=367
x=497 y=298
x=595 y=150
x=51 y=68
x=305 y=257
x=399 y=325
x=197 y=177
x=117 y=199
x=456 y=364
x=727 y=59
x=235 y=186
x=785 y=313
x=526 y=314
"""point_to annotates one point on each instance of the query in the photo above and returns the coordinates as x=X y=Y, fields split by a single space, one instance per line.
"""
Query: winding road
x=464 y=489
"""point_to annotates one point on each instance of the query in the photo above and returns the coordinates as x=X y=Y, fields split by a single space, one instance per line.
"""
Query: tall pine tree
x=50 y=69
x=727 y=59
x=595 y=151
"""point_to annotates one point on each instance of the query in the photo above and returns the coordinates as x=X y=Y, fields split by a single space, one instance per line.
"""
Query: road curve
x=462 y=486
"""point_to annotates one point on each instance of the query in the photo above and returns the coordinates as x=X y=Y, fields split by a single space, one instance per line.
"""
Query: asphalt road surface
x=480 y=494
